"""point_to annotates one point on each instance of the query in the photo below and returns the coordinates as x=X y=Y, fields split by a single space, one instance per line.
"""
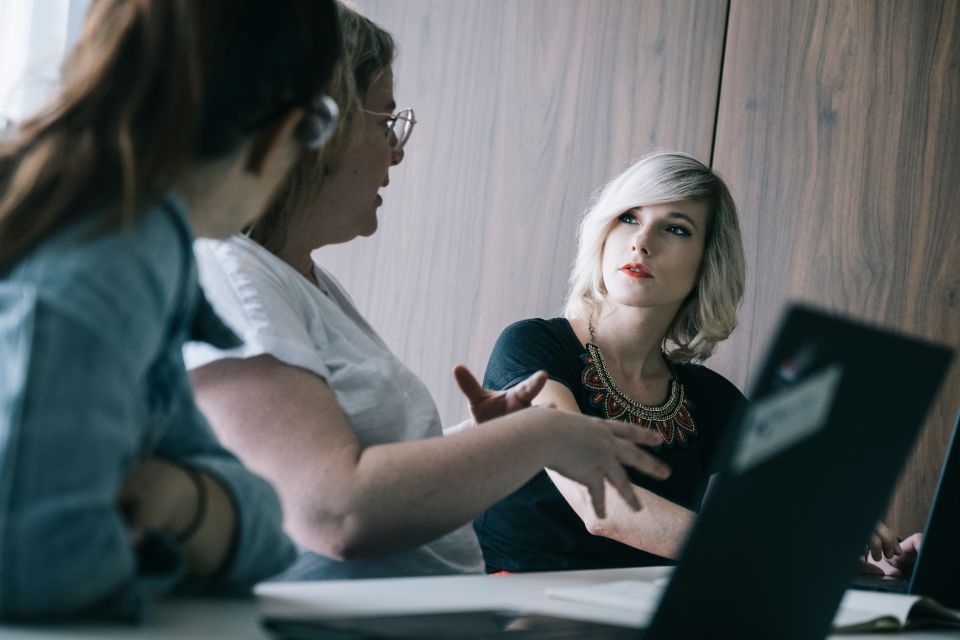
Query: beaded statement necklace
x=671 y=419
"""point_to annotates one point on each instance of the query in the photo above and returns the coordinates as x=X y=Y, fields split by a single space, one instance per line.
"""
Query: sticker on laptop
x=782 y=420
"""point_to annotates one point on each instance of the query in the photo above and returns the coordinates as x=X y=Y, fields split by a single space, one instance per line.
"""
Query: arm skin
x=159 y=494
x=347 y=502
x=659 y=528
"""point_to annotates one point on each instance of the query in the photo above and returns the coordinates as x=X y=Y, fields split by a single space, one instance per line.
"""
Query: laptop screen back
x=807 y=469
x=938 y=565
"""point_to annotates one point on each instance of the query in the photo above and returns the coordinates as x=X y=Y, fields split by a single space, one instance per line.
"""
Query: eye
x=678 y=230
x=627 y=218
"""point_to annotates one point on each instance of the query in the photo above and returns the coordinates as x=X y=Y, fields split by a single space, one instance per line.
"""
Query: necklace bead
x=671 y=419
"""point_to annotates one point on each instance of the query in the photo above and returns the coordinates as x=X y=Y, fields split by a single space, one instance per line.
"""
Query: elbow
x=343 y=538
x=598 y=526
x=344 y=546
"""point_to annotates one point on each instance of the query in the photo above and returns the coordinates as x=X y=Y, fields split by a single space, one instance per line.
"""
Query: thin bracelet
x=201 y=512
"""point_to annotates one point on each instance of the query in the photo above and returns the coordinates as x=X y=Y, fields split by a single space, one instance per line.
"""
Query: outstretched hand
x=487 y=405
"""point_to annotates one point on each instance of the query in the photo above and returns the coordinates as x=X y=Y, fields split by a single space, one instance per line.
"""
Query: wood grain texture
x=839 y=132
x=524 y=109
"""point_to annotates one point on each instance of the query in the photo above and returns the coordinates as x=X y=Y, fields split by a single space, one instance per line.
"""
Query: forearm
x=240 y=539
x=401 y=495
x=660 y=527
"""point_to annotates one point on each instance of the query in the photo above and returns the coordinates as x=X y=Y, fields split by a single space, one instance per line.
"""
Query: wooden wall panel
x=839 y=131
x=524 y=108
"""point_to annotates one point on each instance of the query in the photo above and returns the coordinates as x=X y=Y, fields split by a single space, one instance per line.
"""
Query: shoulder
x=709 y=379
x=118 y=283
x=271 y=307
x=712 y=385
x=536 y=339
x=553 y=331
x=239 y=266
x=527 y=346
x=249 y=287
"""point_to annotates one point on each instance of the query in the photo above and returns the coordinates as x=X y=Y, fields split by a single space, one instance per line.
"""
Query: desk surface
x=203 y=619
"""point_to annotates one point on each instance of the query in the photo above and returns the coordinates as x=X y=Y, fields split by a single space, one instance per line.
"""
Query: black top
x=535 y=529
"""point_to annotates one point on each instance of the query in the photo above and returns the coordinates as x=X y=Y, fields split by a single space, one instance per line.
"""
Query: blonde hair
x=709 y=314
x=368 y=52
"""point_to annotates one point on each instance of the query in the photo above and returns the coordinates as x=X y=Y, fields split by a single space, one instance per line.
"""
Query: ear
x=271 y=139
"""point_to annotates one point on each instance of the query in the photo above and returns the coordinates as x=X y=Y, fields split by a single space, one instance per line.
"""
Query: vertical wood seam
x=723 y=59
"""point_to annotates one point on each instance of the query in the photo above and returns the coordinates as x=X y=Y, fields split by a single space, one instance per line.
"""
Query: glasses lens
x=401 y=128
x=392 y=136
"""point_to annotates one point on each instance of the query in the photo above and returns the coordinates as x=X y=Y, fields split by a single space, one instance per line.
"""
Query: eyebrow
x=683 y=216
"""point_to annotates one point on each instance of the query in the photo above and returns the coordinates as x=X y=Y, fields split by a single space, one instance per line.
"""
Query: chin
x=370 y=228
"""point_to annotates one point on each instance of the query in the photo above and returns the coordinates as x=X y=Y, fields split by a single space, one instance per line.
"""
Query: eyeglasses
x=399 y=126
x=318 y=123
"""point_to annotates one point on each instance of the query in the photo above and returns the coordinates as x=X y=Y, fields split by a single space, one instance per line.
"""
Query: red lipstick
x=636 y=270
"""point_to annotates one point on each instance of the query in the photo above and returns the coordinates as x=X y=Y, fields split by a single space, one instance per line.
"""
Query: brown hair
x=150 y=86
x=368 y=51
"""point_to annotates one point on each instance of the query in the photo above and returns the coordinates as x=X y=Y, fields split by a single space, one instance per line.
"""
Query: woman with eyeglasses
x=173 y=119
x=316 y=402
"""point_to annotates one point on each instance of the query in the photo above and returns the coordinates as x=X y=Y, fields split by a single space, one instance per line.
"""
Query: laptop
x=937 y=566
x=792 y=506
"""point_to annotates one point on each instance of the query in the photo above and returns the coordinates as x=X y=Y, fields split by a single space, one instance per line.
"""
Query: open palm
x=487 y=405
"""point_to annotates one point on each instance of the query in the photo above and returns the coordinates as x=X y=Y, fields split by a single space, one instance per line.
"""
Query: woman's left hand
x=487 y=405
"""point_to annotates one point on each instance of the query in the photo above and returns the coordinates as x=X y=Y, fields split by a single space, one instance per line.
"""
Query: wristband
x=201 y=511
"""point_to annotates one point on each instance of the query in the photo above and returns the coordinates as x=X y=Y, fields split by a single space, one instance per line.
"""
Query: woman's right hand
x=590 y=451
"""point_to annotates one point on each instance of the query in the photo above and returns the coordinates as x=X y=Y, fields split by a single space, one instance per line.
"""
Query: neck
x=204 y=192
x=297 y=255
x=302 y=233
x=632 y=339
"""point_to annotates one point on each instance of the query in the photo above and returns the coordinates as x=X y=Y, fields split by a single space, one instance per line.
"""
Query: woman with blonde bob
x=657 y=280
x=656 y=283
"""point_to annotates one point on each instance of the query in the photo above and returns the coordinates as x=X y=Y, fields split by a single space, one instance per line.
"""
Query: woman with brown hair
x=174 y=119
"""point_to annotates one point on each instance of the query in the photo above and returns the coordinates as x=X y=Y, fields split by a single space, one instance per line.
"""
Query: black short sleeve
x=528 y=346
x=534 y=529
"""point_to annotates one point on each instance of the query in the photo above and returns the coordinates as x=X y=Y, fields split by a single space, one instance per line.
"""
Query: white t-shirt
x=278 y=312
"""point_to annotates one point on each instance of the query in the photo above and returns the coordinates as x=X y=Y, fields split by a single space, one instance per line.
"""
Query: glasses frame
x=403 y=115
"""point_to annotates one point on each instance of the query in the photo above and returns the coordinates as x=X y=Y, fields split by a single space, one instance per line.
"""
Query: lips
x=636 y=270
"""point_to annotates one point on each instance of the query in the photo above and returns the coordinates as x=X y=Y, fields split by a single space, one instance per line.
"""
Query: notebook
x=938 y=565
x=807 y=468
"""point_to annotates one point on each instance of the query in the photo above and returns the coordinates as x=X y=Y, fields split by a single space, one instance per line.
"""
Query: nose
x=642 y=241
x=396 y=157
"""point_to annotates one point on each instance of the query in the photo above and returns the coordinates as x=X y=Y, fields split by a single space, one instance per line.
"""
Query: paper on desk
x=632 y=595
x=878 y=611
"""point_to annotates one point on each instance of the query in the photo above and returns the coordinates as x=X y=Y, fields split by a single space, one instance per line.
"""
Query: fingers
x=468 y=384
x=642 y=461
x=527 y=390
x=596 y=497
x=911 y=544
x=634 y=433
x=618 y=479
x=889 y=545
